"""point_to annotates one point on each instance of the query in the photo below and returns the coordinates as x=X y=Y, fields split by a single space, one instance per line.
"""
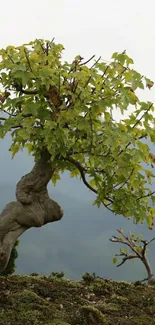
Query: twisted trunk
x=33 y=207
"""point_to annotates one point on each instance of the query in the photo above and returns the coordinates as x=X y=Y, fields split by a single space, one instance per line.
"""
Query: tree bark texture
x=33 y=207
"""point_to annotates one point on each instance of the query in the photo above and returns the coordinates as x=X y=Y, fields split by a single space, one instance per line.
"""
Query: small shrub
x=87 y=277
x=10 y=269
x=58 y=274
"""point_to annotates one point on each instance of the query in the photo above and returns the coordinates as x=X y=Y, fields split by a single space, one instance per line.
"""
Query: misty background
x=80 y=241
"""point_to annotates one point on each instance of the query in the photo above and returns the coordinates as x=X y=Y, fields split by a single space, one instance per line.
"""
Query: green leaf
x=23 y=76
x=18 y=68
x=32 y=108
x=114 y=260
x=24 y=134
x=74 y=173
x=14 y=149
x=29 y=147
x=46 y=72
x=149 y=83
x=55 y=178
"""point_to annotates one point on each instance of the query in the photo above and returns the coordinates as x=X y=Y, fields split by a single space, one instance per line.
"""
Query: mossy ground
x=42 y=300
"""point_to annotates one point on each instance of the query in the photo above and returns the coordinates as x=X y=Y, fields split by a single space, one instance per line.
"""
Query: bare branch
x=127 y=258
x=8 y=113
x=29 y=92
x=125 y=182
x=150 y=241
x=17 y=126
x=47 y=48
x=139 y=251
x=9 y=56
x=26 y=91
x=136 y=123
x=84 y=63
x=82 y=173
x=147 y=195
x=28 y=61
x=105 y=71
x=81 y=170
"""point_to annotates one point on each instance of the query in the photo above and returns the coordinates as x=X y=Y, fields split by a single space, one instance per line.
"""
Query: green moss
x=26 y=297
x=93 y=314
x=40 y=300
x=109 y=308
x=141 y=320
x=28 y=317
x=58 y=322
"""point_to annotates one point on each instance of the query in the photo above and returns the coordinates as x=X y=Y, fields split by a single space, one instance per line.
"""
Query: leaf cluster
x=69 y=108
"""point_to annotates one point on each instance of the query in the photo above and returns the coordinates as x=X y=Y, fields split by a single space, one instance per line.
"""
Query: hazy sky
x=84 y=27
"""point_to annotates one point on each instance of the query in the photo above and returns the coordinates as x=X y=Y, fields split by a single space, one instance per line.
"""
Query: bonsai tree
x=63 y=113
x=137 y=248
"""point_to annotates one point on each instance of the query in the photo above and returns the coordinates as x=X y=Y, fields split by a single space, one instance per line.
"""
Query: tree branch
x=126 y=258
x=26 y=92
x=136 y=123
x=84 y=63
x=82 y=173
x=28 y=61
x=8 y=113
x=125 y=182
x=147 y=195
x=139 y=251
x=81 y=170
x=9 y=56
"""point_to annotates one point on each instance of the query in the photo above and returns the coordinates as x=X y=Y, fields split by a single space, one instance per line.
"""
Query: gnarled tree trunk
x=33 y=208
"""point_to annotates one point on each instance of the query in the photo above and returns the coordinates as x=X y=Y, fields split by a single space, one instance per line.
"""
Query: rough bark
x=33 y=208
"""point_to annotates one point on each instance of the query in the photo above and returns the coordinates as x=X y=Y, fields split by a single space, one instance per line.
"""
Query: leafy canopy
x=69 y=109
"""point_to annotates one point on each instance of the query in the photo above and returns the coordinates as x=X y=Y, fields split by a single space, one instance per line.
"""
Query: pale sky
x=86 y=27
